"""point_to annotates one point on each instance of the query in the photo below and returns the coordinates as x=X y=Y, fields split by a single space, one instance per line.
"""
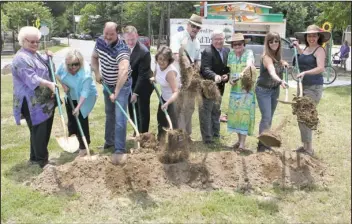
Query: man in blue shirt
x=114 y=57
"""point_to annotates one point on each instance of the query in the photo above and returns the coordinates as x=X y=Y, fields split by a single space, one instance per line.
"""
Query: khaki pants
x=314 y=92
x=185 y=112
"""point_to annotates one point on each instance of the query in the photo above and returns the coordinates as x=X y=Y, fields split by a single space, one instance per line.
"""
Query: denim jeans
x=116 y=121
x=267 y=102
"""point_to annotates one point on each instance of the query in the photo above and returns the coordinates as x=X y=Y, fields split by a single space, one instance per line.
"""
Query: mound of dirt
x=144 y=172
x=148 y=140
x=177 y=148
x=306 y=111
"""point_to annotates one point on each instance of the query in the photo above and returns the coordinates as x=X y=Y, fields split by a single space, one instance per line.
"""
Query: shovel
x=124 y=113
x=299 y=82
x=165 y=111
x=271 y=138
x=135 y=119
x=69 y=144
x=79 y=126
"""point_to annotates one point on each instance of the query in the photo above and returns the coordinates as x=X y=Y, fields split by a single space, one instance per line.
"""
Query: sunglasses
x=274 y=42
x=33 y=41
x=195 y=27
x=74 y=64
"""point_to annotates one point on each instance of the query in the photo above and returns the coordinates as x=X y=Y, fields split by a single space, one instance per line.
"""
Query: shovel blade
x=286 y=102
x=69 y=144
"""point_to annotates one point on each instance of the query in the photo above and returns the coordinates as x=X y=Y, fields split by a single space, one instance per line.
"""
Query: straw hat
x=314 y=29
x=237 y=37
x=196 y=20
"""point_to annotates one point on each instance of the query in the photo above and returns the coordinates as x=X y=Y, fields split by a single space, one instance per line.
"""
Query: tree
x=25 y=13
x=4 y=21
x=337 y=13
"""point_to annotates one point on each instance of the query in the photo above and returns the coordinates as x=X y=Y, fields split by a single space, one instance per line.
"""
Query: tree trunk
x=148 y=8
x=168 y=23
x=161 y=25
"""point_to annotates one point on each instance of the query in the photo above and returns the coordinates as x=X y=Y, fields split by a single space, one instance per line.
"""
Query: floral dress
x=241 y=110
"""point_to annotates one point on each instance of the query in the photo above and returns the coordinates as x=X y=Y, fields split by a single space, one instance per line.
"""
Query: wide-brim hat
x=325 y=35
x=237 y=37
x=196 y=20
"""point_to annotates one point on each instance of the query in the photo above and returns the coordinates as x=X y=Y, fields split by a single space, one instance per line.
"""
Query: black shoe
x=209 y=142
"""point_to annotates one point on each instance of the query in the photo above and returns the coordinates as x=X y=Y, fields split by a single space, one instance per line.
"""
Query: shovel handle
x=57 y=96
x=299 y=79
x=161 y=102
x=134 y=113
x=123 y=111
x=78 y=124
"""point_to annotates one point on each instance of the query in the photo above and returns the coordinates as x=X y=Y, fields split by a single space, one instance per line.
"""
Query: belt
x=267 y=87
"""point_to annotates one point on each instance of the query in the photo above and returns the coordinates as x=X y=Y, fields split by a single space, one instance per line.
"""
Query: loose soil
x=145 y=172
x=305 y=109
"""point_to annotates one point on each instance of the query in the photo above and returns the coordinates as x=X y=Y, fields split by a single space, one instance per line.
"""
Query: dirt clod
x=305 y=109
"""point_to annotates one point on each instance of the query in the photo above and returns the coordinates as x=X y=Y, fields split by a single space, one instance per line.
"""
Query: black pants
x=39 y=136
x=73 y=127
x=142 y=109
x=162 y=121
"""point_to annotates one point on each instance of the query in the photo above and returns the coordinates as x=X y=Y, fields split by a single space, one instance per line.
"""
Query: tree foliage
x=337 y=13
x=21 y=13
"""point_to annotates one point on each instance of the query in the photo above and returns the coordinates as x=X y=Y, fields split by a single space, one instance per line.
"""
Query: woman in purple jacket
x=33 y=93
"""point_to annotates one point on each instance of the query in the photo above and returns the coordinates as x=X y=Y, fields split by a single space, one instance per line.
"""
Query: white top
x=166 y=91
x=191 y=46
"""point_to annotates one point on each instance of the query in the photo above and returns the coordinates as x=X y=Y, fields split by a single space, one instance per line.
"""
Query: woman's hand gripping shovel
x=79 y=126
x=69 y=144
x=124 y=113
x=286 y=101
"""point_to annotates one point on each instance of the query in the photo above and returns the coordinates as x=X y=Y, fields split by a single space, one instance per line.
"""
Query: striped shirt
x=109 y=57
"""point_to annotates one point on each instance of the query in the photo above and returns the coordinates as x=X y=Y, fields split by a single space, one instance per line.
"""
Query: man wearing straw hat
x=188 y=39
x=311 y=62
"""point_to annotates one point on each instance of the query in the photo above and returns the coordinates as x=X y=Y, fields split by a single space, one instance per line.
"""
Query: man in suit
x=142 y=89
x=213 y=67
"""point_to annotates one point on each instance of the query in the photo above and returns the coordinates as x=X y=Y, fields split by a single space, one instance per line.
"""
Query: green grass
x=329 y=204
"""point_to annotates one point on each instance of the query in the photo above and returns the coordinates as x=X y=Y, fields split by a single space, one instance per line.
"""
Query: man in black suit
x=142 y=89
x=213 y=67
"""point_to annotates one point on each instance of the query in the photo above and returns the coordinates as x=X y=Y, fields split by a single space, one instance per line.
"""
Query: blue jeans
x=267 y=102
x=116 y=121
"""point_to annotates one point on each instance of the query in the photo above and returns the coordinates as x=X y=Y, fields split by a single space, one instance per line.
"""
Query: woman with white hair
x=33 y=93
x=75 y=76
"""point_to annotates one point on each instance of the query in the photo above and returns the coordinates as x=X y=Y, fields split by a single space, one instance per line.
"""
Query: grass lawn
x=329 y=204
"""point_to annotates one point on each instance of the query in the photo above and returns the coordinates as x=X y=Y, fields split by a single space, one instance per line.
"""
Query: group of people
x=123 y=64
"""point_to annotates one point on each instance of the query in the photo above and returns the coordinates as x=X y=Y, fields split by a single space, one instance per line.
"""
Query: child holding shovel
x=74 y=74
x=269 y=81
x=168 y=77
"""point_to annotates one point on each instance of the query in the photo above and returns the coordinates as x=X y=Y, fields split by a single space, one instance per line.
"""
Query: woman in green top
x=241 y=110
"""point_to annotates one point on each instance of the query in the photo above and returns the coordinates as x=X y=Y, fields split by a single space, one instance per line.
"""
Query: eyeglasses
x=195 y=27
x=236 y=44
x=274 y=42
x=74 y=64
x=33 y=41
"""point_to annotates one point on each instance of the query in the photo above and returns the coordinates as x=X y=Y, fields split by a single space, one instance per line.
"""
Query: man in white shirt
x=188 y=39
